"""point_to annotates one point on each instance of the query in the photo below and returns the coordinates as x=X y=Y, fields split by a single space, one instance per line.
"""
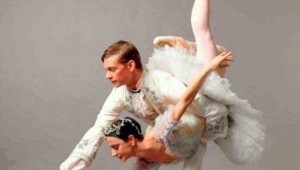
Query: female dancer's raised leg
x=205 y=46
x=200 y=19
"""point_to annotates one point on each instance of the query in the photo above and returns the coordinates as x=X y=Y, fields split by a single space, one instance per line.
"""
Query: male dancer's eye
x=112 y=69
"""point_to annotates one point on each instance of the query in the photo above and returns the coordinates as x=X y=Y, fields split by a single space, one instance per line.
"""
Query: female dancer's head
x=122 y=136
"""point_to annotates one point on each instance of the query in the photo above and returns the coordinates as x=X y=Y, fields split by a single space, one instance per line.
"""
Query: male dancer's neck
x=136 y=80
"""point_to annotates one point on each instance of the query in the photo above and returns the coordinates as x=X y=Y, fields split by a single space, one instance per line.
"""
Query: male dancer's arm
x=85 y=151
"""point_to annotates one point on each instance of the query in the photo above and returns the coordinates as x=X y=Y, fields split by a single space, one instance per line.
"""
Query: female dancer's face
x=116 y=72
x=120 y=148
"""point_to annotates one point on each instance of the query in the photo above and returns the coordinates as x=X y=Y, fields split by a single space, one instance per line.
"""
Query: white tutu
x=244 y=142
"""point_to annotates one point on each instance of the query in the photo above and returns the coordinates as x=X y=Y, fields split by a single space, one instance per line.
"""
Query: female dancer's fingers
x=227 y=56
x=221 y=61
x=226 y=52
x=225 y=59
x=224 y=55
x=223 y=65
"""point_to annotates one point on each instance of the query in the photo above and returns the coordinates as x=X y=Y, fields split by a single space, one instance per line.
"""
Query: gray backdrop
x=52 y=84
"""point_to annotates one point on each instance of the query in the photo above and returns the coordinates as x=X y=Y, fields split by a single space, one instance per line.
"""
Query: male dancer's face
x=116 y=72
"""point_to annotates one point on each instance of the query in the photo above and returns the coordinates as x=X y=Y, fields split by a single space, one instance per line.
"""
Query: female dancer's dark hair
x=124 y=127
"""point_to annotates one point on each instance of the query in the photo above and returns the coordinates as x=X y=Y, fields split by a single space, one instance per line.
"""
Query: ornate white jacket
x=157 y=90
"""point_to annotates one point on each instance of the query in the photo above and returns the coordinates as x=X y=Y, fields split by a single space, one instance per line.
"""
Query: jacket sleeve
x=172 y=89
x=85 y=151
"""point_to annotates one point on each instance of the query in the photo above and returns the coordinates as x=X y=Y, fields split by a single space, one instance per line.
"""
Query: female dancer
x=176 y=133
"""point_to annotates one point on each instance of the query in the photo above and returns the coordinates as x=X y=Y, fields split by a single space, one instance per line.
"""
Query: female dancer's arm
x=220 y=61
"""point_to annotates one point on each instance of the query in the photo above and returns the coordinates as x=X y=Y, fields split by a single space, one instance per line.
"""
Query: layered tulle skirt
x=245 y=133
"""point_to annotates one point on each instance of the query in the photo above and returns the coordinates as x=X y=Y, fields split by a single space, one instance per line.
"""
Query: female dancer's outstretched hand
x=220 y=61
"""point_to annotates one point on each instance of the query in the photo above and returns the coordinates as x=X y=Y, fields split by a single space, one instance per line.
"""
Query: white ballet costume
x=243 y=141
